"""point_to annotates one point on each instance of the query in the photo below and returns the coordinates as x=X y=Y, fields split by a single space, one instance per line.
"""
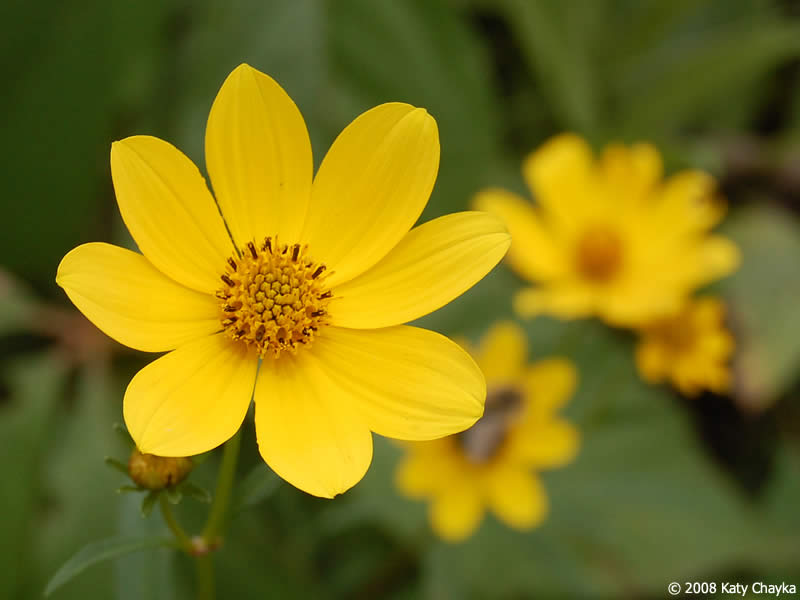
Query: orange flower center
x=599 y=254
x=273 y=297
x=481 y=442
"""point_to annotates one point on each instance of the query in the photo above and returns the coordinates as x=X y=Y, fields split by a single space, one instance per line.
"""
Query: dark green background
x=665 y=489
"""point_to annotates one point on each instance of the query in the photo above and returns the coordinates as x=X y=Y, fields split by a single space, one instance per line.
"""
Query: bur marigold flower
x=608 y=237
x=492 y=465
x=314 y=279
x=690 y=349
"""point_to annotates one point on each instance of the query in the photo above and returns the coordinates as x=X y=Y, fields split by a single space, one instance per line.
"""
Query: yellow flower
x=691 y=348
x=609 y=237
x=315 y=279
x=489 y=466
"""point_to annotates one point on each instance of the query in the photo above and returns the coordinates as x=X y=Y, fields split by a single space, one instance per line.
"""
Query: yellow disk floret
x=273 y=297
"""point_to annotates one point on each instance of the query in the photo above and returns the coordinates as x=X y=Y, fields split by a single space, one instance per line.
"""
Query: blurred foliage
x=657 y=493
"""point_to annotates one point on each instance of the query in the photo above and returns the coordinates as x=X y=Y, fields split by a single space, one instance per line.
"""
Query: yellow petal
x=308 y=431
x=545 y=445
x=533 y=254
x=567 y=302
x=549 y=384
x=457 y=512
x=408 y=383
x=558 y=174
x=717 y=257
x=258 y=156
x=169 y=211
x=192 y=399
x=687 y=199
x=133 y=302
x=425 y=470
x=516 y=496
x=371 y=188
x=431 y=265
x=503 y=352
x=652 y=359
x=631 y=171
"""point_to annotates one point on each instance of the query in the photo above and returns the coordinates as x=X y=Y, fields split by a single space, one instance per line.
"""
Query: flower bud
x=157 y=472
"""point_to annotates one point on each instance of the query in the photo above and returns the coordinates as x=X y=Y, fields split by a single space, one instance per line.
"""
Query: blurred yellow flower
x=608 y=237
x=691 y=349
x=491 y=465
x=313 y=279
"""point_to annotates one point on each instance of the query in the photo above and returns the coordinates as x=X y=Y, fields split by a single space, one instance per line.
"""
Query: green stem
x=175 y=527
x=219 y=507
x=205 y=577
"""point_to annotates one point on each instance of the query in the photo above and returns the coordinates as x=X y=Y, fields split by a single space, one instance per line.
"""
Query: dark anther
x=260 y=333
x=318 y=272
x=229 y=308
x=267 y=245
x=285 y=248
x=221 y=295
x=312 y=328
x=240 y=333
x=317 y=313
x=227 y=280
x=252 y=249
x=230 y=321
x=232 y=263
x=327 y=294
x=295 y=252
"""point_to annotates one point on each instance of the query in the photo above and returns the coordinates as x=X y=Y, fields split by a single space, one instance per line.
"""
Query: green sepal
x=116 y=464
x=195 y=491
x=123 y=434
x=148 y=503
x=125 y=489
x=174 y=494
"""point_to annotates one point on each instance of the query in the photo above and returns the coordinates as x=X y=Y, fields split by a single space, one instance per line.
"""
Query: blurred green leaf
x=58 y=110
x=282 y=38
x=34 y=386
x=155 y=574
x=423 y=53
x=79 y=486
x=101 y=551
x=763 y=302
x=558 y=42
x=727 y=60
x=258 y=485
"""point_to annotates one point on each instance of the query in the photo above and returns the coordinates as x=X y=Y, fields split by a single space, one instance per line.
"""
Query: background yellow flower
x=607 y=236
x=492 y=465
x=690 y=349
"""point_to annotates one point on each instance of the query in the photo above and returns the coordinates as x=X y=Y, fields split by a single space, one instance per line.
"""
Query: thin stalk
x=205 y=577
x=169 y=518
x=222 y=495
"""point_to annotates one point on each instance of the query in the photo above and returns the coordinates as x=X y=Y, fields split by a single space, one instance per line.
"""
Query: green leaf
x=258 y=485
x=424 y=53
x=557 y=42
x=763 y=296
x=34 y=384
x=148 y=502
x=100 y=551
x=658 y=98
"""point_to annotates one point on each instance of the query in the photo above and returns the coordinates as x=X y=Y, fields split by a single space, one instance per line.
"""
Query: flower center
x=273 y=297
x=599 y=254
x=481 y=442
